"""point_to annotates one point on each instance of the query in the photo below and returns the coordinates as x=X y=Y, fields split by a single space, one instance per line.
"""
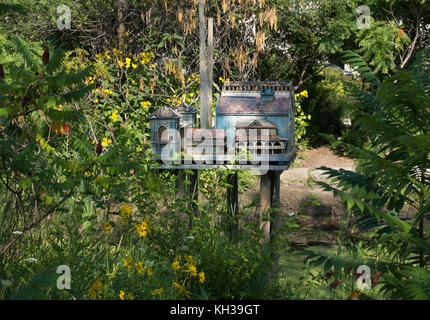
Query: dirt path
x=303 y=202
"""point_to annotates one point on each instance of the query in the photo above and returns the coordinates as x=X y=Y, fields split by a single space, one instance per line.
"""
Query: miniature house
x=256 y=118
x=167 y=128
x=261 y=115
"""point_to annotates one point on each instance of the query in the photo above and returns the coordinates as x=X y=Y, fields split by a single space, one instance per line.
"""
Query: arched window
x=163 y=134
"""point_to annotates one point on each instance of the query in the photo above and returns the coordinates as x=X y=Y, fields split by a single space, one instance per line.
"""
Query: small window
x=163 y=135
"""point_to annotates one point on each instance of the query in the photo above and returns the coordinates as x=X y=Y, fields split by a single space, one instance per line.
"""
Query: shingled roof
x=186 y=108
x=251 y=104
x=245 y=98
x=164 y=113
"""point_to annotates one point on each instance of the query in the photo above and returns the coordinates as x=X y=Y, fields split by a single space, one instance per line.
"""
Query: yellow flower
x=176 y=265
x=107 y=226
x=126 y=34
x=121 y=64
x=182 y=289
x=125 y=212
x=148 y=270
x=96 y=289
x=106 y=142
x=143 y=228
x=304 y=93
x=145 y=104
x=96 y=100
x=192 y=270
x=190 y=260
x=128 y=263
x=122 y=295
x=134 y=65
x=139 y=267
x=157 y=292
x=114 y=115
x=202 y=277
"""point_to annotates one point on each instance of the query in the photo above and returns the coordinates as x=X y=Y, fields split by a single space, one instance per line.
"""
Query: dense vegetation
x=76 y=186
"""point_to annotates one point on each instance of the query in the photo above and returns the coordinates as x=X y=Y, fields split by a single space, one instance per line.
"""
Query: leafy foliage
x=393 y=173
x=379 y=43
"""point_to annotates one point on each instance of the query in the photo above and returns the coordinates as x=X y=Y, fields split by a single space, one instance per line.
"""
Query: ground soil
x=320 y=216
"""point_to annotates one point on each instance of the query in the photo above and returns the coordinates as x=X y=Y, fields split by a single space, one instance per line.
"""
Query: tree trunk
x=122 y=9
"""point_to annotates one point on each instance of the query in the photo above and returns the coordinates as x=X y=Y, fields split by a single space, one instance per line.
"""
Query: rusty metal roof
x=234 y=104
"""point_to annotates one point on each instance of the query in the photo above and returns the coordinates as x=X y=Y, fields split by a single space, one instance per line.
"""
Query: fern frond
x=28 y=57
x=360 y=65
x=55 y=61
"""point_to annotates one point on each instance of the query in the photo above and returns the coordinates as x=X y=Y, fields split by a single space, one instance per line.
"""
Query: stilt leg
x=180 y=185
x=194 y=194
x=233 y=205
x=276 y=219
x=265 y=199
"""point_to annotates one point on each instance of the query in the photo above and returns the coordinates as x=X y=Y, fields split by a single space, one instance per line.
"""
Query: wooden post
x=265 y=203
x=121 y=11
x=276 y=219
x=204 y=108
x=233 y=205
x=193 y=191
x=210 y=65
x=180 y=184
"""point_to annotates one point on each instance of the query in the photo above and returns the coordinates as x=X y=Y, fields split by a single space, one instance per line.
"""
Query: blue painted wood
x=243 y=104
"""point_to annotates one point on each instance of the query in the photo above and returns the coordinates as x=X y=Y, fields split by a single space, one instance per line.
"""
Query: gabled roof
x=164 y=113
x=186 y=108
x=262 y=123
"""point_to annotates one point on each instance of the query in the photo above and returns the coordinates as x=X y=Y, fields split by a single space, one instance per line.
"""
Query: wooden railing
x=257 y=86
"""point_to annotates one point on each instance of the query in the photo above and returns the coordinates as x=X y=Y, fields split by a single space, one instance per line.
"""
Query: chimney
x=266 y=95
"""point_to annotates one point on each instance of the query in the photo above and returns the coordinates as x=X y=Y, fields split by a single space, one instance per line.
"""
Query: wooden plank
x=263 y=209
x=221 y=166
x=193 y=190
x=180 y=185
x=227 y=157
x=204 y=109
x=275 y=219
x=210 y=65
x=233 y=205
